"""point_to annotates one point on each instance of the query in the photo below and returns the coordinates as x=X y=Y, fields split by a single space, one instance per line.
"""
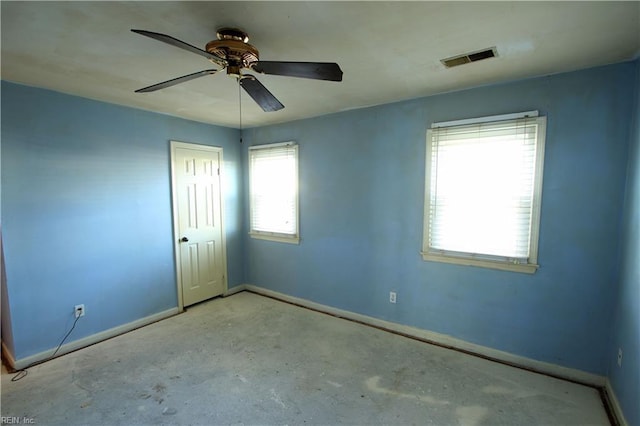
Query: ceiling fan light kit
x=232 y=51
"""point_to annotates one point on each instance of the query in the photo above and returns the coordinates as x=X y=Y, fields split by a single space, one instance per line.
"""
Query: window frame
x=488 y=261
x=271 y=235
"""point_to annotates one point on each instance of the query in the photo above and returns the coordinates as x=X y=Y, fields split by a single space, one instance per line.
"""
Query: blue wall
x=86 y=218
x=86 y=212
x=361 y=208
x=626 y=327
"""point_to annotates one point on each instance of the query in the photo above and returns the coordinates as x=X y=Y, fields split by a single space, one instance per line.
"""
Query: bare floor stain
x=472 y=415
x=373 y=384
x=276 y=398
x=497 y=390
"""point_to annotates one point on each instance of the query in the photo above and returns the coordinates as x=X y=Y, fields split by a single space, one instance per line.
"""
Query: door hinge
x=218 y=171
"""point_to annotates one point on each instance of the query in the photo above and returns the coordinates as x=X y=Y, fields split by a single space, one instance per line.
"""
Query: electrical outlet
x=392 y=297
x=79 y=310
x=619 y=357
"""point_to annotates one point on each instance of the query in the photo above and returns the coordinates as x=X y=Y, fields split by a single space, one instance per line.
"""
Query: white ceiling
x=389 y=51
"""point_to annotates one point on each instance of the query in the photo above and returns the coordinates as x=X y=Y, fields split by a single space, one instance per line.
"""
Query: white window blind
x=273 y=187
x=483 y=190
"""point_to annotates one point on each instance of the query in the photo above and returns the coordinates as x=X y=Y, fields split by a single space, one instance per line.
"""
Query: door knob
x=184 y=240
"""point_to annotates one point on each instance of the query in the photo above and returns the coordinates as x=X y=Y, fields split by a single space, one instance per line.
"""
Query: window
x=273 y=189
x=483 y=190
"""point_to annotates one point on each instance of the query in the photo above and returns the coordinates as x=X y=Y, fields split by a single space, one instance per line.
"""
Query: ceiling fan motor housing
x=233 y=48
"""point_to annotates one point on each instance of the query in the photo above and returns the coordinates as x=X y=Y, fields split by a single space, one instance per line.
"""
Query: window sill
x=526 y=268
x=276 y=238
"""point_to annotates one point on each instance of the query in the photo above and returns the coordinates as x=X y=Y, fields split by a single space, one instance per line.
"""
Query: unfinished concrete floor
x=247 y=359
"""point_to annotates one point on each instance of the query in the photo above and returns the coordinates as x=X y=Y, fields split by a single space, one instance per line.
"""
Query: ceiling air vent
x=467 y=58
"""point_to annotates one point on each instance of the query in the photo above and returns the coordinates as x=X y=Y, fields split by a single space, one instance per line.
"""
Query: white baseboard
x=21 y=363
x=614 y=404
x=424 y=335
x=443 y=340
x=233 y=290
x=90 y=340
x=7 y=355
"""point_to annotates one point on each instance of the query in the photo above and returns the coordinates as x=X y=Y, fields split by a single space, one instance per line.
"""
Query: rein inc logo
x=15 y=420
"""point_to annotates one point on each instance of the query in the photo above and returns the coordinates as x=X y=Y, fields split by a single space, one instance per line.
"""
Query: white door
x=197 y=201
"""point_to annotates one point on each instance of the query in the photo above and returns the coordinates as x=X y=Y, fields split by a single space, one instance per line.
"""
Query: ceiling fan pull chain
x=240 y=105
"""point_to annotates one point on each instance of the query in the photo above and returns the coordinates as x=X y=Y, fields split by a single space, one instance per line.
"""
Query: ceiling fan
x=231 y=51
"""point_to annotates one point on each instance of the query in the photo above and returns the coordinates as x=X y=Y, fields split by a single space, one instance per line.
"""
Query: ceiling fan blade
x=181 y=44
x=260 y=94
x=315 y=70
x=175 y=81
